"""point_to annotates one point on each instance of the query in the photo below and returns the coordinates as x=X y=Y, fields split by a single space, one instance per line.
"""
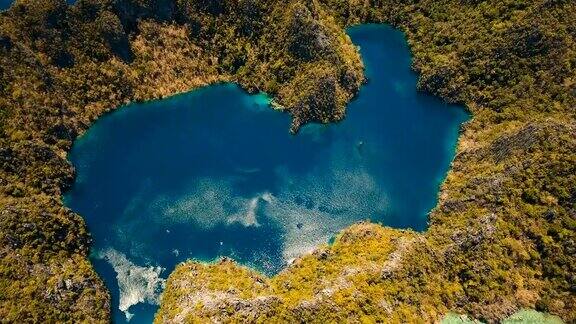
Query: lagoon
x=215 y=172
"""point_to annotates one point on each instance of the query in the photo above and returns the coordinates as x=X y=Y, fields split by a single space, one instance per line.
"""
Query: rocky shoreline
x=501 y=238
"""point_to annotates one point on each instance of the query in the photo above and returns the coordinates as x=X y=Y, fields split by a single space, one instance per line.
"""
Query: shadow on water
x=215 y=172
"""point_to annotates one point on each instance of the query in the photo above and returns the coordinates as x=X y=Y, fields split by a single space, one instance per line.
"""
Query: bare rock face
x=470 y=238
x=309 y=38
x=522 y=140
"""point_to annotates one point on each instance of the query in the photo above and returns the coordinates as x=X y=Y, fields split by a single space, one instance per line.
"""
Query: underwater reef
x=502 y=237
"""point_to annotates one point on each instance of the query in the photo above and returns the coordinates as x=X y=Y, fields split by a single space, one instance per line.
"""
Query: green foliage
x=501 y=238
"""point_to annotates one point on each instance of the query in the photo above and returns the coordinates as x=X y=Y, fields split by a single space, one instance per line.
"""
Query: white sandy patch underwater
x=310 y=208
x=137 y=284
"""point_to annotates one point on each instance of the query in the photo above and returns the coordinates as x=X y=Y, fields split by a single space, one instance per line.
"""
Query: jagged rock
x=474 y=235
x=521 y=140
x=309 y=39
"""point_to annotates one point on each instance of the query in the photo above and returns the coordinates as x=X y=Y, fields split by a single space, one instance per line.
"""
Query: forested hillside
x=502 y=236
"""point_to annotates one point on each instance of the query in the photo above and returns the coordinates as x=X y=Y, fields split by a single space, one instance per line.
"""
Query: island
x=501 y=237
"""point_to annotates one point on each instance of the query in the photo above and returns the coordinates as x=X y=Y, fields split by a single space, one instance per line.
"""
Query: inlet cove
x=215 y=172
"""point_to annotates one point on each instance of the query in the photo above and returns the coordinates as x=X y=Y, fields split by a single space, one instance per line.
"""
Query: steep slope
x=502 y=236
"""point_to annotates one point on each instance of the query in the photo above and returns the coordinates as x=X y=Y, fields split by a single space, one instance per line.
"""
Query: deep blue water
x=215 y=172
x=5 y=4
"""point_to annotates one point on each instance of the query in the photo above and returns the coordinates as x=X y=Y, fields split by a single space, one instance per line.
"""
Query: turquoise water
x=215 y=172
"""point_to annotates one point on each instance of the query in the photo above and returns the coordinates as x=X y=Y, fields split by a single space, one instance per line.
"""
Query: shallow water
x=215 y=172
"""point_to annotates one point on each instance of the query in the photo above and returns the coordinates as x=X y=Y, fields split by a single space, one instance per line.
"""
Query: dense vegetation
x=502 y=236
